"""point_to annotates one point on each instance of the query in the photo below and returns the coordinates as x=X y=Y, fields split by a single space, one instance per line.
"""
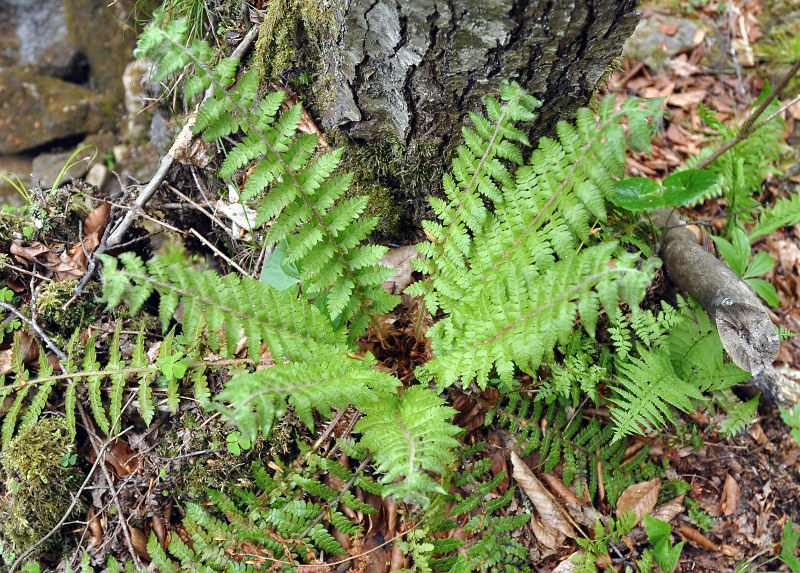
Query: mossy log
x=743 y=323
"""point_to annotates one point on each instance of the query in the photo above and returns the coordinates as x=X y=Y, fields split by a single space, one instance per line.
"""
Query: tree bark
x=414 y=68
x=404 y=74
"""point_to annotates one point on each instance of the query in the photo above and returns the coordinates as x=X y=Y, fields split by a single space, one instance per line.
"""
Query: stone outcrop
x=36 y=109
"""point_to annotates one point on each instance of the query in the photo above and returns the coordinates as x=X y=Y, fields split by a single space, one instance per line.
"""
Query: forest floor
x=744 y=490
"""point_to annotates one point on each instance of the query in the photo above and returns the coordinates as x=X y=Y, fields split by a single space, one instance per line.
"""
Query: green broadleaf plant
x=677 y=190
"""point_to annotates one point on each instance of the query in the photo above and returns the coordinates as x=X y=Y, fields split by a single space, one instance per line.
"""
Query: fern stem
x=132 y=370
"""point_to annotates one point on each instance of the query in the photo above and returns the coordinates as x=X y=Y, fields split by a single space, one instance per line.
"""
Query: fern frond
x=409 y=435
x=335 y=380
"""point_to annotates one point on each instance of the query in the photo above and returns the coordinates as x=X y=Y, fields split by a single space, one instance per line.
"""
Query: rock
x=35 y=110
x=97 y=175
x=29 y=29
x=100 y=32
x=62 y=60
x=135 y=80
x=47 y=166
x=18 y=169
x=651 y=45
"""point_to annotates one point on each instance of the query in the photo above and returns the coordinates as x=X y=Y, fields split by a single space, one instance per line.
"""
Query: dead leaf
x=549 y=511
x=640 y=498
x=729 y=501
x=670 y=510
x=61 y=264
x=669 y=28
x=190 y=149
x=568 y=565
x=139 y=542
x=560 y=489
x=694 y=535
x=399 y=260
x=757 y=433
x=97 y=220
x=687 y=99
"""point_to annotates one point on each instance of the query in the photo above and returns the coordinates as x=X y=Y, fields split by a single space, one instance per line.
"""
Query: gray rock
x=35 y=110
x=28 y=30
x=653 y=48
x=97 y=175
x=47 y=166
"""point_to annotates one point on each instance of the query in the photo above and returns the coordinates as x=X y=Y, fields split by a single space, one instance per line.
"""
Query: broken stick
x=744 y=326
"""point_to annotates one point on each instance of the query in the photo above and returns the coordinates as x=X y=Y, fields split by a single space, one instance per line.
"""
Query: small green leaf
x=765 y=290
x=686 y=187
x=737 y=253
x=761 y=264
x=789 y=541
x=637 y=193
x=278 y=274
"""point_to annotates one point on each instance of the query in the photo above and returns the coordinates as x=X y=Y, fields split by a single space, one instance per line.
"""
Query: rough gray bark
x=414 y=68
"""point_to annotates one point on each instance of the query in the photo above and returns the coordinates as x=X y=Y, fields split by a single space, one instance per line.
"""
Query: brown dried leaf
x=399 y=260
x=687 y=99
x=190 y=149
x=97 y=220
x=694 y=535
x=669 y=28
x=560 y=489
x=670 y=510
x=139 y=542
x=640 y=498
x=550 y=512
x=729 y=501
x=567 y=565
x=62 y=265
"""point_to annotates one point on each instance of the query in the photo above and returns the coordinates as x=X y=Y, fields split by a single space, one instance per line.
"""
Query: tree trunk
x=407 y=72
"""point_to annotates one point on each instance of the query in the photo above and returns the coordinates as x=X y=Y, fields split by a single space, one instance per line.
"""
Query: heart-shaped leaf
x=637 y=193
x=686 y=187
x=278 y=274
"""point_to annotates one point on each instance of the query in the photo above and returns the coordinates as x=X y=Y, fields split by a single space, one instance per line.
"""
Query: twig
x=75 y=500
x=167 y=161
x=27 y=272
x=219 y=253
x=190 y=455
x=50 y=344
x=749 y=126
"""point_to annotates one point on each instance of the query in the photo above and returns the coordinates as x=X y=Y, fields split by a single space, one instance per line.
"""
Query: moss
x=292 y=39
x=39 y=487
x=221 y=470
x=62 y=322
x=397 y=178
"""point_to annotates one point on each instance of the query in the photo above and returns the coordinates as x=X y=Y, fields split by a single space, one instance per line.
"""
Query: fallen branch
x=166 y=162
x=744 y=325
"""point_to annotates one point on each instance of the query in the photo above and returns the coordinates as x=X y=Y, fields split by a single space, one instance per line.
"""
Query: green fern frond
x=409 y=436
x=258 y=398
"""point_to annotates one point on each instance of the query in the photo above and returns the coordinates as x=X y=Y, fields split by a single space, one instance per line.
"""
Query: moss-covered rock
x=40 y=482
x=35 y=110
x=99 y=30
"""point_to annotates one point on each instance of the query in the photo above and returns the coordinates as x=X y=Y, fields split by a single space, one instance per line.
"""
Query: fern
x=588 y=450
x=292 y=183
x=410 y=436
x=263 y=528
